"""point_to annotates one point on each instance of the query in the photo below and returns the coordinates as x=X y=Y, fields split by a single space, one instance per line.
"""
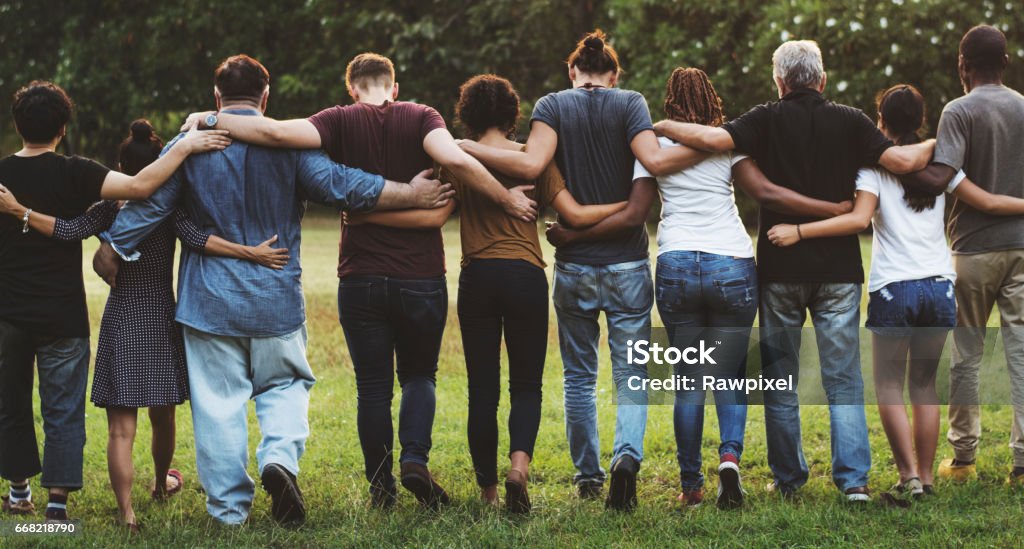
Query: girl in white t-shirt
x=911 y=305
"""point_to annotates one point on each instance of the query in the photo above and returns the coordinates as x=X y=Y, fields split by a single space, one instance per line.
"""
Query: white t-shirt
x=907 y=245
x=698 y=212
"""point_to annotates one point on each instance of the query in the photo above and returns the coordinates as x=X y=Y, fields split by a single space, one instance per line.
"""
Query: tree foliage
x=124 y=59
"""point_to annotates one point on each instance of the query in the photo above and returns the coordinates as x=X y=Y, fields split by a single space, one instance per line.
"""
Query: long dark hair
x=140 y=149
x=901 y=112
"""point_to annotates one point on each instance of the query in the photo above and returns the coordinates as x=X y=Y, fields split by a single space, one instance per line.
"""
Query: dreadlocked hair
x=690 y=97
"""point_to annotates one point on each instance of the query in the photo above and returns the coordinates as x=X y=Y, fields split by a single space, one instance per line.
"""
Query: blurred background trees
x=122 y=59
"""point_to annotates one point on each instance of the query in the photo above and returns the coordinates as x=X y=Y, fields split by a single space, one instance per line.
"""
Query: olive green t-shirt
x=488 y=232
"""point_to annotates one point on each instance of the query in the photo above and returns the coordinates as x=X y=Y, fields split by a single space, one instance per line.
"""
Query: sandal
x=911 y=486
x=23 y=507
x=175 y=474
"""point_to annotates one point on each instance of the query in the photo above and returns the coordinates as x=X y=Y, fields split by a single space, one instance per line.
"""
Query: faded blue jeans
x=224 y=373
x=714 y=298
x=835 y=313
x=623 y=291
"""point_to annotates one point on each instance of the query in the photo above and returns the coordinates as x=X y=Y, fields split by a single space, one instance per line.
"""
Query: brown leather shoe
x=417 y=479
x=517 y=501
x=23 y=507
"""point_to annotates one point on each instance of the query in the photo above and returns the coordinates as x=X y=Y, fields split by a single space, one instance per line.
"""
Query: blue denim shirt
x=244 y=194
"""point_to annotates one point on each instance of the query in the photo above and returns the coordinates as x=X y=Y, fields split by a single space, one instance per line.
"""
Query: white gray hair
x=798 y=64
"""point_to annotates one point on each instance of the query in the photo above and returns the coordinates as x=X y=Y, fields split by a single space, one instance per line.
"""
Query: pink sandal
x=175 y=474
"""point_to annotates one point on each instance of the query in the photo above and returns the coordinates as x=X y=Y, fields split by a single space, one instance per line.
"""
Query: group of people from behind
x=595 y=157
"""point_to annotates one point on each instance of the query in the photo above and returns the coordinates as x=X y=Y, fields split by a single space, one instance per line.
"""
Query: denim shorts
x=900 y=306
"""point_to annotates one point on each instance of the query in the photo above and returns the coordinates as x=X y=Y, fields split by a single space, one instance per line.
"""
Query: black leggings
x=510 y=294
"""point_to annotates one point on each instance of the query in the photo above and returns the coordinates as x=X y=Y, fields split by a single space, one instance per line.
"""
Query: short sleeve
x=951 y=139
x=431 y=120
x=750 y=131
x=330 y=123
x=871 y=142
x=546 y=111
x=737 y=158
x=638 y=116
x=955 y=182
x=550 y=183
x=87 y=176
x=868 y=181
x=639 y=171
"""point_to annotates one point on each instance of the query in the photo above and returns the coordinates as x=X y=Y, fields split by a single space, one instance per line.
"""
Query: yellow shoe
x=957 y=473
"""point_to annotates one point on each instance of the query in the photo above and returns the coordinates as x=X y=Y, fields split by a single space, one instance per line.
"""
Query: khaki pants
x=984 y=280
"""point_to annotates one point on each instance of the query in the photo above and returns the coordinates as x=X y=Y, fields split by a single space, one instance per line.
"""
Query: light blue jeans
x=835 y=313
x=624 y=292
x=224 y=374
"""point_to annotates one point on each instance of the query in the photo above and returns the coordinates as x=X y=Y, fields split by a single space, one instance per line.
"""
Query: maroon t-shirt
x=387 y=140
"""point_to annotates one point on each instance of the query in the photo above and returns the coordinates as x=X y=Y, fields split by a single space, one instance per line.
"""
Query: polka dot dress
x=140 y=360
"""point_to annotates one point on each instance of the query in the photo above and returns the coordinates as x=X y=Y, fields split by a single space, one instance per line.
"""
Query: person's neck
x=375 y=96
x=240 y=106
x=584 y=80
x=978 y=81
x=36 y=149
x=493 y=137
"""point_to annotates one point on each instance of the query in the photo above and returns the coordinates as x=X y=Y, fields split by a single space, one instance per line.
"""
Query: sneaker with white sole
x=858 y=494
x=730 y=488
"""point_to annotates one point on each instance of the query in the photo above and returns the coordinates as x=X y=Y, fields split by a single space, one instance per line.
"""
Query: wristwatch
x=210 y=121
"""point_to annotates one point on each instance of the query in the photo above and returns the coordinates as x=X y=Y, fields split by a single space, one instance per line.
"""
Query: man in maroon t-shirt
x=392 y=298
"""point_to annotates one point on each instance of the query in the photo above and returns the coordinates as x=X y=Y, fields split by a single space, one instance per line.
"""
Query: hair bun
x=594 y=43
x=142 y=131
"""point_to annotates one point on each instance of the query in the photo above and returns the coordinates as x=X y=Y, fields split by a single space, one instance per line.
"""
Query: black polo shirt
x=815 y=147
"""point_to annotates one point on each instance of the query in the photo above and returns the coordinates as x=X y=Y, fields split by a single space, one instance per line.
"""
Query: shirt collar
x=801 y=93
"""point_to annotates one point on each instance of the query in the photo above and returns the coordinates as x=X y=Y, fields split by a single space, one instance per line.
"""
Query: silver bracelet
x=24 y=221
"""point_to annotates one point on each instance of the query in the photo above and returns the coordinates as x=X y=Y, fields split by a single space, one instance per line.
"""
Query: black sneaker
x=383 y=494
x=287 y=507
x=622 y=494
x=417 y=479
x=589 y=490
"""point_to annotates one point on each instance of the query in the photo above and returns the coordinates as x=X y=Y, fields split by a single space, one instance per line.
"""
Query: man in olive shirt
x=981 y=133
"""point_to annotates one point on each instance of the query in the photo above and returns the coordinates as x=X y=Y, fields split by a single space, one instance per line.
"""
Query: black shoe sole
x=287 y=506
x=516 y=499
x=622 y=493
x=732 y=495
x=426 y=492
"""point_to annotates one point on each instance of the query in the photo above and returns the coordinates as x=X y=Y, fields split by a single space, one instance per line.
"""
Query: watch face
x=211 y=120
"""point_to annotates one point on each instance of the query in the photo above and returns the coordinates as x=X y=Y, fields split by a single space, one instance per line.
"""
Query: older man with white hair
x=815 y=147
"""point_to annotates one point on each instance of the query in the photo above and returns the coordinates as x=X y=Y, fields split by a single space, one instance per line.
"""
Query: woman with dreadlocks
x=911 y=304
x=706 y=281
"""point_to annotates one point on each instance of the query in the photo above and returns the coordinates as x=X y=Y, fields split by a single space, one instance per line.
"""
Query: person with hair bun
x=595 y=132
x=140 y=361
x=706 y=283
x=911 y=305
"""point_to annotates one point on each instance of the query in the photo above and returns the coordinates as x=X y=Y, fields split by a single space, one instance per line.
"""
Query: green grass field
x=986 y=513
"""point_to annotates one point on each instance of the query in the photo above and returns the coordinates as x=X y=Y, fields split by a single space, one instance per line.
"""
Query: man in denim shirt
x=236 y=345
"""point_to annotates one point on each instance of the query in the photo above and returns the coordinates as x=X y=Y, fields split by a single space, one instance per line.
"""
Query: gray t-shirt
x=981 y=133
x=595 y=128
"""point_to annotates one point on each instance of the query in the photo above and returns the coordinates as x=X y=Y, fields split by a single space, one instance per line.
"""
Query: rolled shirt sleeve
x=327 y=182
x=138 y=219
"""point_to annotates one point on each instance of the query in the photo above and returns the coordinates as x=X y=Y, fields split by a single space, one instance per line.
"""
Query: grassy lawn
x=986 y=513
